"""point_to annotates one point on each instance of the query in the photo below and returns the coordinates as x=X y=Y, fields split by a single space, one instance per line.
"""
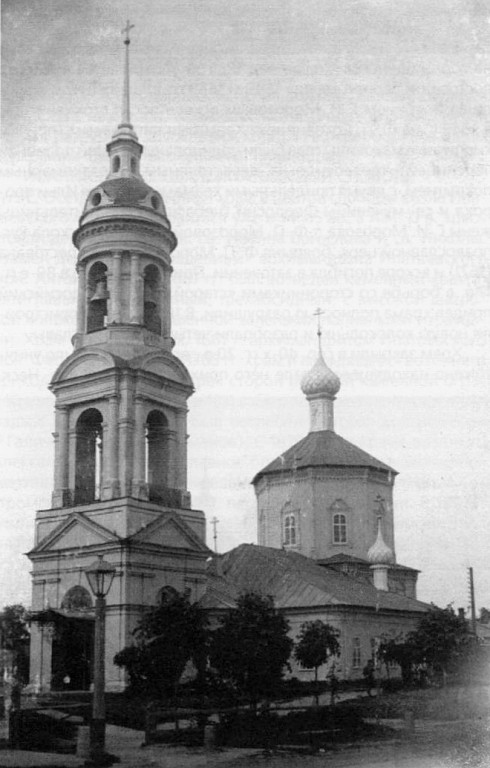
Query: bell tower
x=120 y=466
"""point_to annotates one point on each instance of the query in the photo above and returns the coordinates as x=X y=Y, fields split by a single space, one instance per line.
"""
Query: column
x=139 y=486
x=181 y=463
x=110 y=488
x=115 y=291
x=61 y=493
x=135 y=291
x=166 y=301
x=81 y=298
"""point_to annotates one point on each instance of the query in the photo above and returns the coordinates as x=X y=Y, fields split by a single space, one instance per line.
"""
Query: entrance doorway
x=72 y=654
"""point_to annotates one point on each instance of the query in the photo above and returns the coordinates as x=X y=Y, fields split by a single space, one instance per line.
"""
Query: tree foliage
x=14 y=637
x=166 y=638
x=251 y=648
x=441 y=643
x=441 y=638
x=13 y=627
x=317 y=641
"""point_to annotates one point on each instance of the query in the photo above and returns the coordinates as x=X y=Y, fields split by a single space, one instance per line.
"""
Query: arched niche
x=97 y=296
x=157 y=454
x=152 y=292
x=89 y=455
x=77 y=600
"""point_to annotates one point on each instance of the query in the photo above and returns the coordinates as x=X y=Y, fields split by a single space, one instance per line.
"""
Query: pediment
x=84 y=362
x=169 y=531
x=76 y=532
x=165 y=365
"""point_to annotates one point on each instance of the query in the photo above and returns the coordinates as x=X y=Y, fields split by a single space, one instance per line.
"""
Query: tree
x=402 y=652
x=166 y=638
x=251 y=648
x=441 y=639
x=317 y=642
x=14 y=634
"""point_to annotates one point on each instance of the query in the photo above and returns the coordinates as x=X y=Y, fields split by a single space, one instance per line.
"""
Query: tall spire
x=125 y=115
x=125 y=129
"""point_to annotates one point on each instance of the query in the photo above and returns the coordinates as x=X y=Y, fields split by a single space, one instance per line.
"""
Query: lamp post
x=99 y=575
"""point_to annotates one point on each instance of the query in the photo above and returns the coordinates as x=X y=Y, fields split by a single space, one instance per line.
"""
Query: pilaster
x=81 y=298
x=139 y=488
x=61 y=493
x=111 y=488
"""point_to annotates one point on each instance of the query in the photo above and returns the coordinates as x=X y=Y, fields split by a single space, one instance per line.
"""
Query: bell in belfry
x=101 y=293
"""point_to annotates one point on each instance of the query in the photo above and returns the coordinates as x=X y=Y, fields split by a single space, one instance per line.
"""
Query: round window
x=96 y=198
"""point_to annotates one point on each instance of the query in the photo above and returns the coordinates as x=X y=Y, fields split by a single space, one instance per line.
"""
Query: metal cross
x=126 y=31
x=318 y=313
x=214 y=523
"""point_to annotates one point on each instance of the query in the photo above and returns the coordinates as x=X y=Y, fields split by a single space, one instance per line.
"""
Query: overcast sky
x=330 y=153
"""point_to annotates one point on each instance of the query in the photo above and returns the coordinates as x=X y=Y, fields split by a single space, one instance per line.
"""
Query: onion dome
x=380 y=553
x=320 y=380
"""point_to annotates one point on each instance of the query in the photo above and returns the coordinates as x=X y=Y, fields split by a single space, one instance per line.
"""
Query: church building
x=326 y=545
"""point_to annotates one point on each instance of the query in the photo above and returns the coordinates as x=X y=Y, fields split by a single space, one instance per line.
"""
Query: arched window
x=339 y=528
x=97 y=297
x=157 y=454
x=152 y=291
x=289 y=530
x=134 y=166
x=89 y=457
x=116 y=164
x=77 y=599
x=356 y=652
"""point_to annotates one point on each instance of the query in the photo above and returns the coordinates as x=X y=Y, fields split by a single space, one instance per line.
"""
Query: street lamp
x=99 y=576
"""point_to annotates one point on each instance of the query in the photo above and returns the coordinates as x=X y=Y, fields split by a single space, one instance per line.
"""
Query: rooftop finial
x=318 y=313
x=125 y=117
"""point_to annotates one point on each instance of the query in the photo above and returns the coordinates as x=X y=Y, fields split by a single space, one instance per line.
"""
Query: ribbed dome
x=380 y=553
x=320 y=380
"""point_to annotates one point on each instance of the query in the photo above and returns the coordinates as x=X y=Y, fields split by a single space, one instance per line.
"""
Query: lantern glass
x=100 y=575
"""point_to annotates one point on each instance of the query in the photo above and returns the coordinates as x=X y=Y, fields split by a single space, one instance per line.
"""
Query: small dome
x=124 y=191
x=380 y=553
x=320 y=380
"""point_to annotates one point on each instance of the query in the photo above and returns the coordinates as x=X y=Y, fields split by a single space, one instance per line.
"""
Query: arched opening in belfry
x=89 y=457
x=157 y=454
x=97 y=297
x=151 y=294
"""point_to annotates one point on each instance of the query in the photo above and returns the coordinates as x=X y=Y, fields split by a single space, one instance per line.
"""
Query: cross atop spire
x=318 y=313
x=126 y=32
x=125 y=115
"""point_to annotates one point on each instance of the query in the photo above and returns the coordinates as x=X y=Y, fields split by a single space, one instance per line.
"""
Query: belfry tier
x=121 y=396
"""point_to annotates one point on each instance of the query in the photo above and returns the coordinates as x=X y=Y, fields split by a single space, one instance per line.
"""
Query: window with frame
x=356 y=652
x=339 y=528
x=289 y=530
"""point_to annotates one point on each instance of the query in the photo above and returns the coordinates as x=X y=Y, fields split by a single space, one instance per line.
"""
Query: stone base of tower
x=152 y=548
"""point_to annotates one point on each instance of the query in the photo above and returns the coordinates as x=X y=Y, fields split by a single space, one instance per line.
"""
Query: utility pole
x=472 y=600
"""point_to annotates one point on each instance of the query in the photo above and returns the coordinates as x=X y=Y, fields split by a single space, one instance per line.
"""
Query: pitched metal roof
x=322 y=449
x=297 y=582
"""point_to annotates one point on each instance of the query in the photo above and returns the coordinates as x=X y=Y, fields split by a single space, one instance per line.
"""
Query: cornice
x=123 y=225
